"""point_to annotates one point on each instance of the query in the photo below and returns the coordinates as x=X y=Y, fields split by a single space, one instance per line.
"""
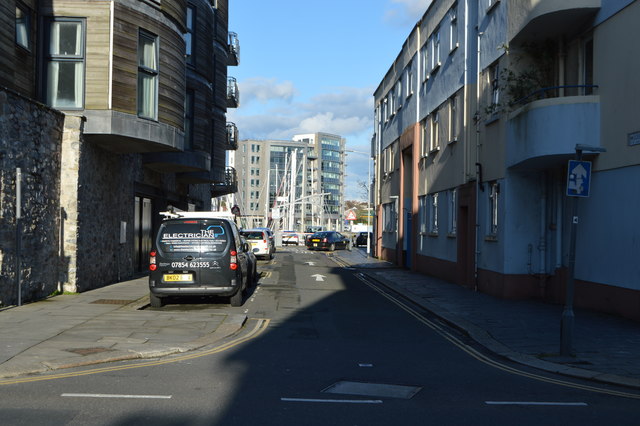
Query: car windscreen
x=193 y=236
x=253 y=235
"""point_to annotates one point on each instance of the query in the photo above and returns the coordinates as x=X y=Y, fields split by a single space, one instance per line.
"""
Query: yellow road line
x=483 y=358
x=260 y=327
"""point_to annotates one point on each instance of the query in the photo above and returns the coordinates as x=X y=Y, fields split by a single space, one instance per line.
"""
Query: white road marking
x=365 y=365
x=318 y=277
x=310 y=263
x=569 y=404
x=334 y=401
x=106 y=395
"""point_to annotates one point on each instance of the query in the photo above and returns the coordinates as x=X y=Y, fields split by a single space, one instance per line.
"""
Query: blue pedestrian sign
x=578 y=178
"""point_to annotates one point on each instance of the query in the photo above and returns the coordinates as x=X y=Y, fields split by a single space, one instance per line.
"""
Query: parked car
x=272 y=238
x=198 y=254
x=252 y=260
x=329 y=240
x=259 y=242
x=290 y=237
x=361 y=238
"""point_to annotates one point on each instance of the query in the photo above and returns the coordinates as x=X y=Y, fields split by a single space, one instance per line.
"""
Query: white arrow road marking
x=310 y=263
x=318 y=277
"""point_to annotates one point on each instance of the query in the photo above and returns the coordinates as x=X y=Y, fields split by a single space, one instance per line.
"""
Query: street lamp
x=368 y=197
x=566 y=325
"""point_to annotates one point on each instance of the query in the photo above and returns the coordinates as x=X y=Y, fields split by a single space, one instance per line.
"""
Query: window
x=424 y=60
x=453 y=212
x=385 y=109
x=433 y=214
x=399 y=94
x=188 y=119
x=409 y=82
x=453 y=119
x=147 y=75
x=434 y=140
x=64 y=63
x=494 y=83
x=189 y=38
x=424 y=137
x=392 y=103
x=435 y=50
x=23 y=27
x=422 y=214
x=453 y=29
x=493 y=207
x=389 y=219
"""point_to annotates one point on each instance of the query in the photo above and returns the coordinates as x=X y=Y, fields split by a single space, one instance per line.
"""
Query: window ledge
x=491 y=238
x=492 y=119
x=433 y=234
x=452 y=141
x=454 y=48
x=436 y=68
x=451 y=235
x=434 y=150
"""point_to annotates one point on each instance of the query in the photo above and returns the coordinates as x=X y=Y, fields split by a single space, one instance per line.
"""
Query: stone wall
x=30 y=138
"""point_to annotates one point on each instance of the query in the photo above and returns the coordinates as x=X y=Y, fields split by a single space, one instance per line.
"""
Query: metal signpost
x=578 y=185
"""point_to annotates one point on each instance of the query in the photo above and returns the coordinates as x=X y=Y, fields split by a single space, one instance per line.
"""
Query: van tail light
x=325 y=240
x=152 y=260
x=233 y=264
x=264 y=241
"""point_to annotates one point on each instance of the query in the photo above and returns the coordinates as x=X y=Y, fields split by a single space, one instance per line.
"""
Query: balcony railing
x=557 y=92
x=234 y=49
x=233 y=95
x=225 y=182
x=232 y=136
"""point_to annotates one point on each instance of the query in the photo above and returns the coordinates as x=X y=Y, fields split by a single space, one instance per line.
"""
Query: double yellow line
x=485 y=359
x=260 y=327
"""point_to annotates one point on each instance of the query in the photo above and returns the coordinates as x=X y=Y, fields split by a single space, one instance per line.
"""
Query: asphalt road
x=335 y=350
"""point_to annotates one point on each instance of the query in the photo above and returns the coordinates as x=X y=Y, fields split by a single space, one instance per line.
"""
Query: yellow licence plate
x=315 y=240
x=178 y=277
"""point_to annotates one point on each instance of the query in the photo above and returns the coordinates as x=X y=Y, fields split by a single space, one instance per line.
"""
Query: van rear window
x=189 y=237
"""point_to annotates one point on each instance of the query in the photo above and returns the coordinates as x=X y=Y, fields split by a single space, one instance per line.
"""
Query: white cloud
x=406 y=12
x=266 y=89
x=344 y=112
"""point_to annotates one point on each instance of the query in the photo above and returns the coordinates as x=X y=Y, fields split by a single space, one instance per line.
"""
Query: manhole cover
x=89 y=351
x=373 y=389
x=112 y=302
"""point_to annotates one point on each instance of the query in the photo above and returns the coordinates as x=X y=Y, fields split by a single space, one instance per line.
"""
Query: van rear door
x=194 y=251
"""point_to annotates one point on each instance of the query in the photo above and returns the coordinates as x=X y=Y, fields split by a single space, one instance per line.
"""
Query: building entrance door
x=143 y=239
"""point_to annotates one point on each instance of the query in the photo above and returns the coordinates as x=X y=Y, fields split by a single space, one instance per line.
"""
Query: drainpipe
x=542 y=246
x=476 y=250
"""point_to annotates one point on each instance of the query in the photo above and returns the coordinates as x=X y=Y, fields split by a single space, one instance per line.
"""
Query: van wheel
x=332 y=247
x=156 y=302
x=236 y=299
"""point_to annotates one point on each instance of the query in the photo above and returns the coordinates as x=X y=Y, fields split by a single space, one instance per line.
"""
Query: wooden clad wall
x=175 y=10
x=18 y=70
x=97 y=15
x=128 y=22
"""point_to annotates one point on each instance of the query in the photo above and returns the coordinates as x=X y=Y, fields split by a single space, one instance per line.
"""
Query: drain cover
x=373 y=389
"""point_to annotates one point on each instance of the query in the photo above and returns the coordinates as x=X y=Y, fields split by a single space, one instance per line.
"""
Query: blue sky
x=308 y=66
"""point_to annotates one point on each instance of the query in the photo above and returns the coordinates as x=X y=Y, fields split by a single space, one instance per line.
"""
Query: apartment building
x=135 y=95
x=476 y=121
x=292 y=184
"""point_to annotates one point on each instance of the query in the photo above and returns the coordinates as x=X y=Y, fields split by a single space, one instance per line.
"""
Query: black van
x=198 y=256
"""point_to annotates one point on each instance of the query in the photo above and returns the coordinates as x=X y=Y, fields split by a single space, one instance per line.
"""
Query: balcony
x=234 y=49
x=233 y=95
x=541 y=19
x=232 y=136
x=178 y=162
x=224 y=182
x=125 y=133
x=543 y=133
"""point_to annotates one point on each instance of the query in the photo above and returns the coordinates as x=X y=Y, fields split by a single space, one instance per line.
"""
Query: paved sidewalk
x=101 y=325
x=607 y=348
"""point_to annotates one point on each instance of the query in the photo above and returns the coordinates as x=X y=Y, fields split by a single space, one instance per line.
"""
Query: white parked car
x=259 y=242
